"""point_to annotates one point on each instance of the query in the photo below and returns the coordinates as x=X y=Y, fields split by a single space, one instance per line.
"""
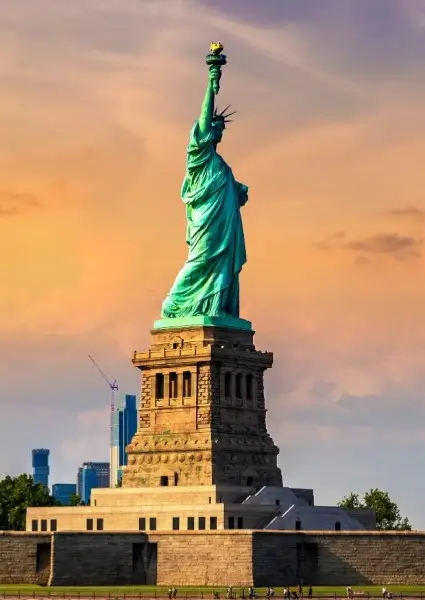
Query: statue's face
x=218 y=128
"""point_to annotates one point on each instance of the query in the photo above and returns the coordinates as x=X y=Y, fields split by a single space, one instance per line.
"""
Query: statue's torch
x=215 y=60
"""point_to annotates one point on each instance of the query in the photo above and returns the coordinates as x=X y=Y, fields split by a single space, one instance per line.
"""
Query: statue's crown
x=223 y=115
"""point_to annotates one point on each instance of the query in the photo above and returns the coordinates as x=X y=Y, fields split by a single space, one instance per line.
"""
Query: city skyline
x=96 y=104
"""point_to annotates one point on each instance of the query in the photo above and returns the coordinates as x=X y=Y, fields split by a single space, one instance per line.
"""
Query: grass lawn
x=182 y=591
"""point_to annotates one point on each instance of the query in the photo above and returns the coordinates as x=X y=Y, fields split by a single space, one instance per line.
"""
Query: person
x=285 y=593
x=349 y=591
x=208 y=283
x=310 y=592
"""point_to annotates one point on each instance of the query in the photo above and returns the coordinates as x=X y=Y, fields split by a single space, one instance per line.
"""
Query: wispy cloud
x=410 y=212
x=13 y=203
x=385 y=243
x=399 y=246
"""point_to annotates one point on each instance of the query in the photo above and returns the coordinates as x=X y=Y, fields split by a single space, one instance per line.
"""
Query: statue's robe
x=208 y=283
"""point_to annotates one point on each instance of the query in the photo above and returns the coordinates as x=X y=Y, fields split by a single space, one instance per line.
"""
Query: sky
x=96 y=102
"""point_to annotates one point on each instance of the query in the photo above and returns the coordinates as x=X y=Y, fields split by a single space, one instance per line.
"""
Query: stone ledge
x=231 y=532
x=225 y=322
x=10 y=533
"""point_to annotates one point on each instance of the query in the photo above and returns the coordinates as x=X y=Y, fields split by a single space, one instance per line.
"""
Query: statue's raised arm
x=215 y=60
x=208 y=283
x=207 y=108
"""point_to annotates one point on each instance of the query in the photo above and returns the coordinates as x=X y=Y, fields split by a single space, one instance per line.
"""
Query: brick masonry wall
x=391 y=558
x=18 y=557
x=214 y=557
x=180 y=558
x=93 y=558
x=205 y=558
x=341 y=558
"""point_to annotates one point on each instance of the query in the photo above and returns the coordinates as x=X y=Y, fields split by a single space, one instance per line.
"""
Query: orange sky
x=96 y=102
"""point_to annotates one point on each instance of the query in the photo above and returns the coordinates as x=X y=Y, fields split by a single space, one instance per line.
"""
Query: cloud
x=387 y=243
x=410 y=212
x=89 y=441
x=401 y=247
x=326 y=134
x=393 y=410
x=13 y=203
x=361 y=261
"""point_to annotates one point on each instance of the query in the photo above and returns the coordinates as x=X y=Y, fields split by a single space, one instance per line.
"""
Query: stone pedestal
x=202 y=411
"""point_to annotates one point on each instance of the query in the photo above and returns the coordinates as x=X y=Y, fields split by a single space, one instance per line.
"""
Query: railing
x=121 y=593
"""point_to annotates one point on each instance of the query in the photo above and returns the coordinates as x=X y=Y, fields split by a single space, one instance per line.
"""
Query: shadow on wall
x=104 y=559
x=341 y=558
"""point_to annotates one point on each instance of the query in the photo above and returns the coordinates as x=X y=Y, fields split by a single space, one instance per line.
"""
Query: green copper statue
x=208 y=283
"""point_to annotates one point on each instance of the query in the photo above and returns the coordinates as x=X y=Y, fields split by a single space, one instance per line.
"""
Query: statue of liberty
x=208 y=283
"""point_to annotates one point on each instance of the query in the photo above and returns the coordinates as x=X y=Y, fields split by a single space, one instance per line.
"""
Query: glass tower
x=92 y=475
x=124 y=426
x=62 y=492
x=40 y=466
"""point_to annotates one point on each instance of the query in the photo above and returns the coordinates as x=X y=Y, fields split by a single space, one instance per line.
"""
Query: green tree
x=388 y=517
x=76 y=500
x=16 y=495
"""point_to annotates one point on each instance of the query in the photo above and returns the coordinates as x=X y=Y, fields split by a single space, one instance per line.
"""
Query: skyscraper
x=40 y=466
x=63 y=492
x=92 y=475
x=124 y=426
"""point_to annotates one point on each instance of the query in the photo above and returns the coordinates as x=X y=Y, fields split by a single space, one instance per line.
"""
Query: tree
x=388 y=517
x=16 y=495
x=76 y=500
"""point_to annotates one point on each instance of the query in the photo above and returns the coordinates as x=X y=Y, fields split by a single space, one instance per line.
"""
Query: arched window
x=159 y=386
x=187 y=384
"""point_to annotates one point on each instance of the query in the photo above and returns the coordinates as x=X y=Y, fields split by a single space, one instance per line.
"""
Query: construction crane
x=113 y=386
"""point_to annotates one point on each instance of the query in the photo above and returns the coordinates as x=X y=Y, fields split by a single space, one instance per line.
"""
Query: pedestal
x=202 y=410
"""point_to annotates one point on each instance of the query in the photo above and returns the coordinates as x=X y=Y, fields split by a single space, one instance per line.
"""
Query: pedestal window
x=159 y=386
x=172 y=384
x=187 y=384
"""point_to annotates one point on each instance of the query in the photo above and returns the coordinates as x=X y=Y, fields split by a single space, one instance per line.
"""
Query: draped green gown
x=208 y=283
